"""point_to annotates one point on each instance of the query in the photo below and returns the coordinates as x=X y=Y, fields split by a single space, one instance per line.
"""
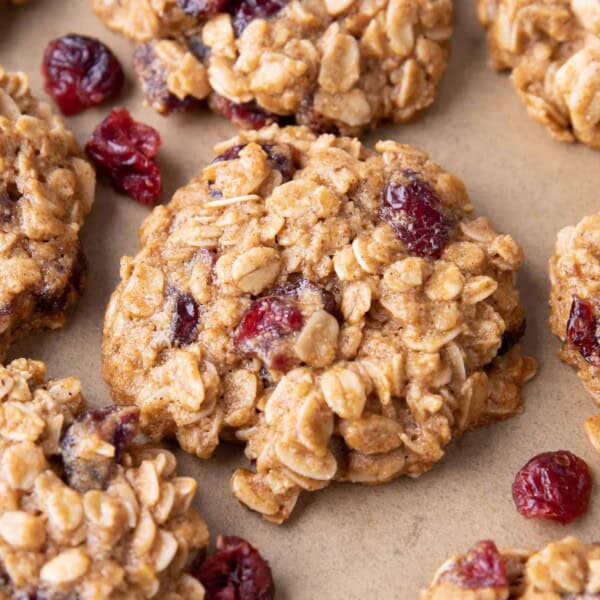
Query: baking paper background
x=350 y=541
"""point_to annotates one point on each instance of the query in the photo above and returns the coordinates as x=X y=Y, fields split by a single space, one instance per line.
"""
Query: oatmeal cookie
x=84 y=512
x=552 y=48
x=46 y=190
x=337 y=65
x=336 y=308
x=564 y=569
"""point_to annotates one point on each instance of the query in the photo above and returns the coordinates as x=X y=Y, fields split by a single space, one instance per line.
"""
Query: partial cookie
x=575 y=299
x=46 y=190
x=564 y=569
x=338 y=65
x=552 y=48
x=84 y=512
x=334 y=307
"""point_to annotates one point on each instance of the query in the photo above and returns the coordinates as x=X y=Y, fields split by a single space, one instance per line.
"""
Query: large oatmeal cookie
x=564 y=569
x=335 y=308
x=46 y=190
x=84 y=512
x=333 y=65
x=553 y=50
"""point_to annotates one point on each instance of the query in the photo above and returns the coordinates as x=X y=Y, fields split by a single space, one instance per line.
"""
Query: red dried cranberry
x=123 y=151
x=245 y=11
x=117 y=425
x=80 y=72
x=185 y=320
x=583 y=329
x=201 y=8
x=281 y=157
x=511 y=337
x=248 y=115
x=553 y=485
x=264 y=328
x=303 y=286
x=414 y=210
x=480 y=567
x=236 y=571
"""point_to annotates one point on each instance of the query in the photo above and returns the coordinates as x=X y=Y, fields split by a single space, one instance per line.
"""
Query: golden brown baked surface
x=46 y=190
x=552 y=48
x=83 y=511
x=339 y=64
x=564 y=569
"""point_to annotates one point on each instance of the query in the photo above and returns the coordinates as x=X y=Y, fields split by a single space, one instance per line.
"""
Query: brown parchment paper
x=350 y=541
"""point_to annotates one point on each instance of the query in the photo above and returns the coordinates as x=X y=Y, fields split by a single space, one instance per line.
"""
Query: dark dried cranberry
x=281 y=157
x=511 y=337
x=185 y=320
x=245 y=11
x=116 y=425
x=414 y=210
x=583 y=329
x=309 y=117
x=123 y=151
x=480 y=567
x=80 y=72
x=553 y=485
x=201 y=8
x=264 y=328
x=236 y=571
x=303 y=287
x=248 y=115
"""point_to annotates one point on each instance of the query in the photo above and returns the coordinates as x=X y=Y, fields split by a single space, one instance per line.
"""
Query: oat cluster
x=46 y=190
x=552 y=48
x=364 y=361
x=81 y=514
x=563 y=569
x=343 y=64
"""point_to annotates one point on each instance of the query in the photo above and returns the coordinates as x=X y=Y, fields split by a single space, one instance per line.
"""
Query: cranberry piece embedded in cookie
x=413 y=208
x=236 y=571
x=115 y=425
x=303 y=289
x=263 y=330
x=553 y=485
x=248 y=115
x=480 y=567
x=281 y=157
x=80 y=72
x=185 y=320
x=201 y=8
x=309 y=117
x=244 y=12
x=583 y=329
x=123 y=151
x=511 y=337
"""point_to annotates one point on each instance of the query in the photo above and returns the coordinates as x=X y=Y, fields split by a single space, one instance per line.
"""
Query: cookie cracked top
x=553 y=50
x=564 y=569
x=336 y=308
x=86 y=512
x=46 y=190
x=338 y=65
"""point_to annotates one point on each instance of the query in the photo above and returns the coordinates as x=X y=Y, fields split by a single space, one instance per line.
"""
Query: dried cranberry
x=414 y=210
x=281 y=157
x=80 y=72
x=201 y=8
x=245 y=11
x=248 y=115
x=236 y=571
x=481 y=567
x=583 y=329
x=553 y=485
x=117 y=425
x=264 y=328
x=300 y=288
x=309 y=117
x=123 y=151
x=511 y=337
x=185 y=320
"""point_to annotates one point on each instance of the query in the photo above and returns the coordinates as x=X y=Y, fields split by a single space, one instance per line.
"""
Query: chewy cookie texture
x=335 y=308
x=564 y=569
x=338 y=65
x=552 y=48
x=46 y=190
x=84 y=512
